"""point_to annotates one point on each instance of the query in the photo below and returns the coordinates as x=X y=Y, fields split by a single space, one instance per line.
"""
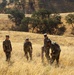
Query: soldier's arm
x=31 y=45
x=24 y=46
x=3 y=46
x=58 y=48
x=45 y=42
x=52 y=50
x=10 y=46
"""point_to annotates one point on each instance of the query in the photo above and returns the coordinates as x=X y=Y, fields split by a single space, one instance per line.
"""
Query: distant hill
x=58 y=5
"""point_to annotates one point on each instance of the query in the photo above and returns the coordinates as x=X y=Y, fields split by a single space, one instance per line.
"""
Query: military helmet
x=45 y=34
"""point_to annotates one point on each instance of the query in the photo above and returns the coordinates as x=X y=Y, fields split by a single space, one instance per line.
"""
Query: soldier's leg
x=57 y=59
x=47 y=54
x=9 y=56
x=52 y=59
x=30 y=54
x=42 y=54
x=6 y=56
x=26 y=54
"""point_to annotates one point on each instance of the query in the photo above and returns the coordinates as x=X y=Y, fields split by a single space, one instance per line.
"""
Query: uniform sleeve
x=3 y=46
x=45 y=42
x=31 y=45
x=58 y=47
x=24 y=46
x=10 y=46
x=52 y=51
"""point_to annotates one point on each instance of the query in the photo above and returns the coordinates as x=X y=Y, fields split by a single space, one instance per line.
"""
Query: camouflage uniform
x=7 y=49
x=28 y=49
x=45 y=49
x=55 y=53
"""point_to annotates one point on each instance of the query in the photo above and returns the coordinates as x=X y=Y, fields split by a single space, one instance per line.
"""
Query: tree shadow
x=61 y=30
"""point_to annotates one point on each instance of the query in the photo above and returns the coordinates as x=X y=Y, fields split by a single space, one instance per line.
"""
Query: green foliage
x=41 y=21
x=7 y=10
x=3 y=5
x=35 y=23
x=31 y=4
x=42 y=13
x=43 y=3
x=22 y=3
x=11 y=1
x=16 y=16
x=45 y=22
x=24 y=24
x=54 y=20
x=70 y=20
x=61 y=30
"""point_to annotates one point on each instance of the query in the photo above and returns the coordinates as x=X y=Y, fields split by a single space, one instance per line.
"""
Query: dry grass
x=5 y=23
x=20 y=66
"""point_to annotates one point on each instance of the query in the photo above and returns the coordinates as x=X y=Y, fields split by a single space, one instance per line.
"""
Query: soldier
x=28 y=48
x=46 y=48
x=7 y=47
x=55 y=52
x=45 y=39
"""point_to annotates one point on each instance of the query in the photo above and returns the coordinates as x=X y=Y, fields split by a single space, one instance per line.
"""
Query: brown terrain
x=6 y=24
x=20 y=66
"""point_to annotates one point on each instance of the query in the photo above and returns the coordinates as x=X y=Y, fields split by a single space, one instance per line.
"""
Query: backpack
x=56 y=46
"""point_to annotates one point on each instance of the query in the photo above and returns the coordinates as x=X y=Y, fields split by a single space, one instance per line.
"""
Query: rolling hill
x=20 y=66
x=6 y=24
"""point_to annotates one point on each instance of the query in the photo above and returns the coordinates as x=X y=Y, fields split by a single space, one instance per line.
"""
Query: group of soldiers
x=55 y=50
x=48 y=44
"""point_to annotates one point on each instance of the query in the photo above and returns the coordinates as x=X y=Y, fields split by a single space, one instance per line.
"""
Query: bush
x=61 y=30
x=16 y=16
x=70 y=20
x=8 y=10
x=24 y=24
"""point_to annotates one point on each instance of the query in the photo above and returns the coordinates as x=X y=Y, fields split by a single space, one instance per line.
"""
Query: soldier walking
x=7 y=47
x=55 y=52
x=46 y=48
x=28 y=49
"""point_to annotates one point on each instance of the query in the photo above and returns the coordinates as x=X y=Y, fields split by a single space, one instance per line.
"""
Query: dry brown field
x=20 y=66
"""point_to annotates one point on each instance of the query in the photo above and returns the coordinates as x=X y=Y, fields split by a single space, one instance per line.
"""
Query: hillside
x=58 y=5
x=20 y=66
x=6 y=24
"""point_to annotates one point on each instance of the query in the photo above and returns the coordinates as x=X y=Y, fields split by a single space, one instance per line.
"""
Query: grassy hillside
x=20 y=66
x=5 y=23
